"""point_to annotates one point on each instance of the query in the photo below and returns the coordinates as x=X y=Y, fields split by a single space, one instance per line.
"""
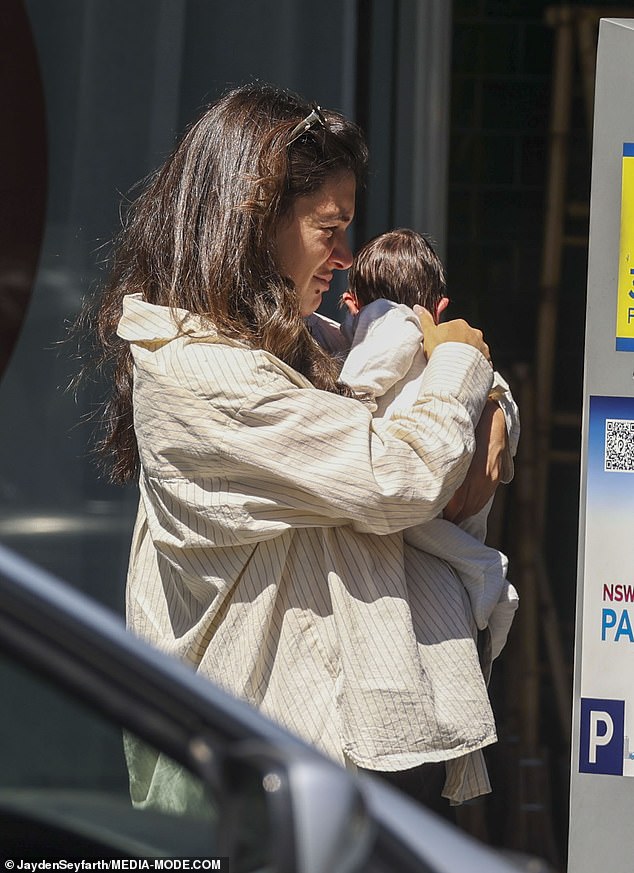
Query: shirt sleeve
x=386 y=340
x=318 y=458
x=253 y=449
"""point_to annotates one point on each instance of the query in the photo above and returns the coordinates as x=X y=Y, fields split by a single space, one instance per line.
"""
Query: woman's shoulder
x=185 y=352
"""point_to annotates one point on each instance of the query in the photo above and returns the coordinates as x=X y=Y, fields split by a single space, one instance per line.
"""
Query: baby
x=391 y=274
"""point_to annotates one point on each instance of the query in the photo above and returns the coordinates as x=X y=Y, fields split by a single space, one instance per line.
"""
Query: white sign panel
x=607 y=669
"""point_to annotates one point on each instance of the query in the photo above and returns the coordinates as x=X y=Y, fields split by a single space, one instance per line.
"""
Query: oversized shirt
x=268 y=549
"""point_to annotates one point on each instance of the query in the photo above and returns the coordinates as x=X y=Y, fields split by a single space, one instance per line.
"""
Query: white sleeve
x=386 y=339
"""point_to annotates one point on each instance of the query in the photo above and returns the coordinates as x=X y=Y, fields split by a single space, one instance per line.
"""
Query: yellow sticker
x=625 y=298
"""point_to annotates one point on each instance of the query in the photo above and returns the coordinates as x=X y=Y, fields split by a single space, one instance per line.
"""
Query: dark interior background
x=503 y=58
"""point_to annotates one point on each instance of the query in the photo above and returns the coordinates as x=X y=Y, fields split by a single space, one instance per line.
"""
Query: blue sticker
x=602 y=736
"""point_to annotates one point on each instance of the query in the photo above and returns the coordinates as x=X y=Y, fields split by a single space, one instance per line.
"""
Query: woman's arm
x=264 y=451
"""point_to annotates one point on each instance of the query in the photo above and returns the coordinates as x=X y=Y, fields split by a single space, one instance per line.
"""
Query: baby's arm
x=386 y=340
x=497 y=435
x=476 y=524
x=501 y=393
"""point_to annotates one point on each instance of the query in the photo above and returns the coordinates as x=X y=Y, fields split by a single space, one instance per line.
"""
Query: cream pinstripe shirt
x=268 y=548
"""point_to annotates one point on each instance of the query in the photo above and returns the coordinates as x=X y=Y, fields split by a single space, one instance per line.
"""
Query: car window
x=74 y=785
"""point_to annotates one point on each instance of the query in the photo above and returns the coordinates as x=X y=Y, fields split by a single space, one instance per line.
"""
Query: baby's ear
x=349 y=300
x=442 y=304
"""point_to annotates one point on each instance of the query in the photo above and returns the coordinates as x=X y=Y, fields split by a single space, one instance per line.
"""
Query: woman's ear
x=349 y=300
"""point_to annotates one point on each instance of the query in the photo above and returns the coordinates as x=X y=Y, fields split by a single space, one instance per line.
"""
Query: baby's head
x=399 y=265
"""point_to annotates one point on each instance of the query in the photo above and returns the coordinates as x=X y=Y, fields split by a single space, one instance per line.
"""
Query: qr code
x=619 y=445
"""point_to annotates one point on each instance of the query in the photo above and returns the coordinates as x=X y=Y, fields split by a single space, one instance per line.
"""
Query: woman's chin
x=312 y=305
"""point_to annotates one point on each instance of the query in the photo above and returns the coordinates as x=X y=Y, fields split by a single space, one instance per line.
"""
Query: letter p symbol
x=601 y=736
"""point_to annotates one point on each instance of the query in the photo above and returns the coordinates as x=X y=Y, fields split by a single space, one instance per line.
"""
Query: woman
x=268 y=550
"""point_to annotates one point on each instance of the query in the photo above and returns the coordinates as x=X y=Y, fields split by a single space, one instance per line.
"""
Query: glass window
x=73 y=785
x=64 y=789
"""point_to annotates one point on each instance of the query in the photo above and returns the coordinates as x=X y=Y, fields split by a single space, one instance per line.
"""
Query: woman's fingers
x=456 y=331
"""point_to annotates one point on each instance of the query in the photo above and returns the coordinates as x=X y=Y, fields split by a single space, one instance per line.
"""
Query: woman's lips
x=326 y=280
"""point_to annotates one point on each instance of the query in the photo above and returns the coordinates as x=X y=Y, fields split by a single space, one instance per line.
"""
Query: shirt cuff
x=461 y=371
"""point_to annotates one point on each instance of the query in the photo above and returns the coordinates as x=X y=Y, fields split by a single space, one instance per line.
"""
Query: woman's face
x=311 y=241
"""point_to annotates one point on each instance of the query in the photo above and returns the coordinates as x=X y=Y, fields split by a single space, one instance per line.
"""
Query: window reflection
x=64 y=790
x=23 y=172
x=75 y=785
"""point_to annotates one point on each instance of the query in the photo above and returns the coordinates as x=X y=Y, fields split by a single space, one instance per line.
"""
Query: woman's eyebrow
x=335 y=216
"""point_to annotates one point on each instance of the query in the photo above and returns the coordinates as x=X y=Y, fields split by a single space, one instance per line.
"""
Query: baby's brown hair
x=400 y=265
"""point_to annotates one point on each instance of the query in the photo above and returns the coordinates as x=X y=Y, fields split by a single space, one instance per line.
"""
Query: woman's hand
x=483 y=476
x=457 y=331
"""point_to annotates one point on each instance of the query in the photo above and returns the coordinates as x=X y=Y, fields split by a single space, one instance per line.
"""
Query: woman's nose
x=341 y=257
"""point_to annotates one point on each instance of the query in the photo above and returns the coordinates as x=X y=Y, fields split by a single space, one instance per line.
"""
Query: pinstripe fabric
x=268 y=549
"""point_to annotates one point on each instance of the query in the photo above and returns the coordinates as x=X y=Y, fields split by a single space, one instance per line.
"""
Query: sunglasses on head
x=315 y=118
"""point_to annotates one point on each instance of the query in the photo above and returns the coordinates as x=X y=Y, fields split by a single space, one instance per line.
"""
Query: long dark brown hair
x=200 y=237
